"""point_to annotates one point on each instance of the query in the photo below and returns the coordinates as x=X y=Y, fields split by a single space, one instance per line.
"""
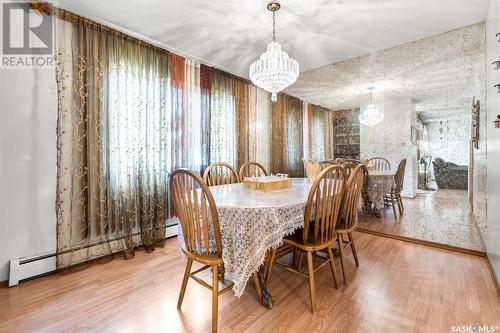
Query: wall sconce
x=498 y=36
x=497 y=121
x=498 y=87
x=496 y=64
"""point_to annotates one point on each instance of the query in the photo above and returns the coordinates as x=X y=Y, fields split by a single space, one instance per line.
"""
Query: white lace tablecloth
x=253 y=222
x=379 y=183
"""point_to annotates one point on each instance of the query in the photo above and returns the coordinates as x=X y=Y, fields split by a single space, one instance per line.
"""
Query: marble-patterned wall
x=440 y=74
x=449 y=140
x=390 y=141
x=491 y=236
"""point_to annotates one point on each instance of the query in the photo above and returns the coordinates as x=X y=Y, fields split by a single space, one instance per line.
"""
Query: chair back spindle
x=352 y=194
x=400 y=175
x=252 y=169
x=349 y=167
x=379 y=164
x=195 y=207
x=220 y=173
x=323 y=205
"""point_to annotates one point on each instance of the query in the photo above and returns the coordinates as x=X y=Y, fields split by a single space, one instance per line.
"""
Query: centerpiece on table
x=268 y=183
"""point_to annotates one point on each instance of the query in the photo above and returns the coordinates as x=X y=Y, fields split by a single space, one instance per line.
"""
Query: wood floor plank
x=399 y=287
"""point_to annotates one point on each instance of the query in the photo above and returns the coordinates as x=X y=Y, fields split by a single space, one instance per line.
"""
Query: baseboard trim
x=4 y=284
x=424 y=242
x=170 y=231
x=493 y=275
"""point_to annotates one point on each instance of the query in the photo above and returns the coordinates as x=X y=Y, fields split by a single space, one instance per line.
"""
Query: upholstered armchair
x=450 y=175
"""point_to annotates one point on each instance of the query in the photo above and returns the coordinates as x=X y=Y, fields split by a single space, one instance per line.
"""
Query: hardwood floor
x=399 y=287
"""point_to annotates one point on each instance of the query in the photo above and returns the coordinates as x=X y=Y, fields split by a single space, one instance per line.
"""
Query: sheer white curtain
x=193 y=126
x=263 y=128
x=222 y=120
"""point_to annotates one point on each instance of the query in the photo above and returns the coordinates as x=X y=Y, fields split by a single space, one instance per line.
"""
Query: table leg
x=263 y=294
x=371 y=209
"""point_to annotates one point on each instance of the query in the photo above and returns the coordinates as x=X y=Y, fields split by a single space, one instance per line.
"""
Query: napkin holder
x=268 y=183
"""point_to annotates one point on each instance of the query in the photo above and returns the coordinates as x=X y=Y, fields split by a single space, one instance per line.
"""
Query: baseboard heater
x=27 y=268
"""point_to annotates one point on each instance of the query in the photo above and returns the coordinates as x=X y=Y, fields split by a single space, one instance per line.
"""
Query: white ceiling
x=231 y=34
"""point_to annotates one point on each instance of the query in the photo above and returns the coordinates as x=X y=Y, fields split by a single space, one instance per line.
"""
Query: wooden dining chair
x=394 y=197
x=326 y=163
x=349 y=215
x=379 y=164
x=195 y=207
x=220 y=173
x=252 y=169
x=320 y=219
x=349 y=166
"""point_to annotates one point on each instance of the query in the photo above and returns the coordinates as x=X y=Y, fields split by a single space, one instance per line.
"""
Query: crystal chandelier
x=274 y=70
x=371 y=116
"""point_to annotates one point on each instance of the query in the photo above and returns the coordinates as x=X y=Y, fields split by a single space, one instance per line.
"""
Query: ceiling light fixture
x=371 y=116
x=274 y=70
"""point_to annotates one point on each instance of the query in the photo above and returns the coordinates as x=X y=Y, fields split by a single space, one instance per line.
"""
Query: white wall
x=27 y=164
x=391 y=139
x=493 y=136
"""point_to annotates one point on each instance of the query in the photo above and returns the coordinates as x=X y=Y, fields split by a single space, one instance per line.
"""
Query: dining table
x=380 y=182
x=252 y=223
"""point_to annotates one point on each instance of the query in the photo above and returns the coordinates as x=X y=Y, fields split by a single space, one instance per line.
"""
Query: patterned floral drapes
x=129 y=113
x=112 y=143
x=321 y=134
x=286 y=136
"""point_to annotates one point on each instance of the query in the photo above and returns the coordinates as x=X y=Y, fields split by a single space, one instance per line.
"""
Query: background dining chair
x=349 y=166
x=351 y=160
x=220 y=173
x=349 y=215
x=326 y=163
x=252 y=169
x=193 y=204
x=379 y=164
x=320 y=219
x=394 y=197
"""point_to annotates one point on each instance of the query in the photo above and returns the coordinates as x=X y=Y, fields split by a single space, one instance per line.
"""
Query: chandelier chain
x=274 y=26
x=274 y=70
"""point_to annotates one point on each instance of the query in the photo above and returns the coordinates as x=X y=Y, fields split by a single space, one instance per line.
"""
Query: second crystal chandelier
x=371 y=116
x=274 y=70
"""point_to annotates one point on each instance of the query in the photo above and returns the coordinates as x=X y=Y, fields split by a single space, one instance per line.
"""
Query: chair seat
x=210 y=259
x=341 y=228
x=296 y=239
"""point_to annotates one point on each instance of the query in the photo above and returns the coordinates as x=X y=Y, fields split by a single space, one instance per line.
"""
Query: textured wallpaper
x=449 y=140
x=438 y=75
